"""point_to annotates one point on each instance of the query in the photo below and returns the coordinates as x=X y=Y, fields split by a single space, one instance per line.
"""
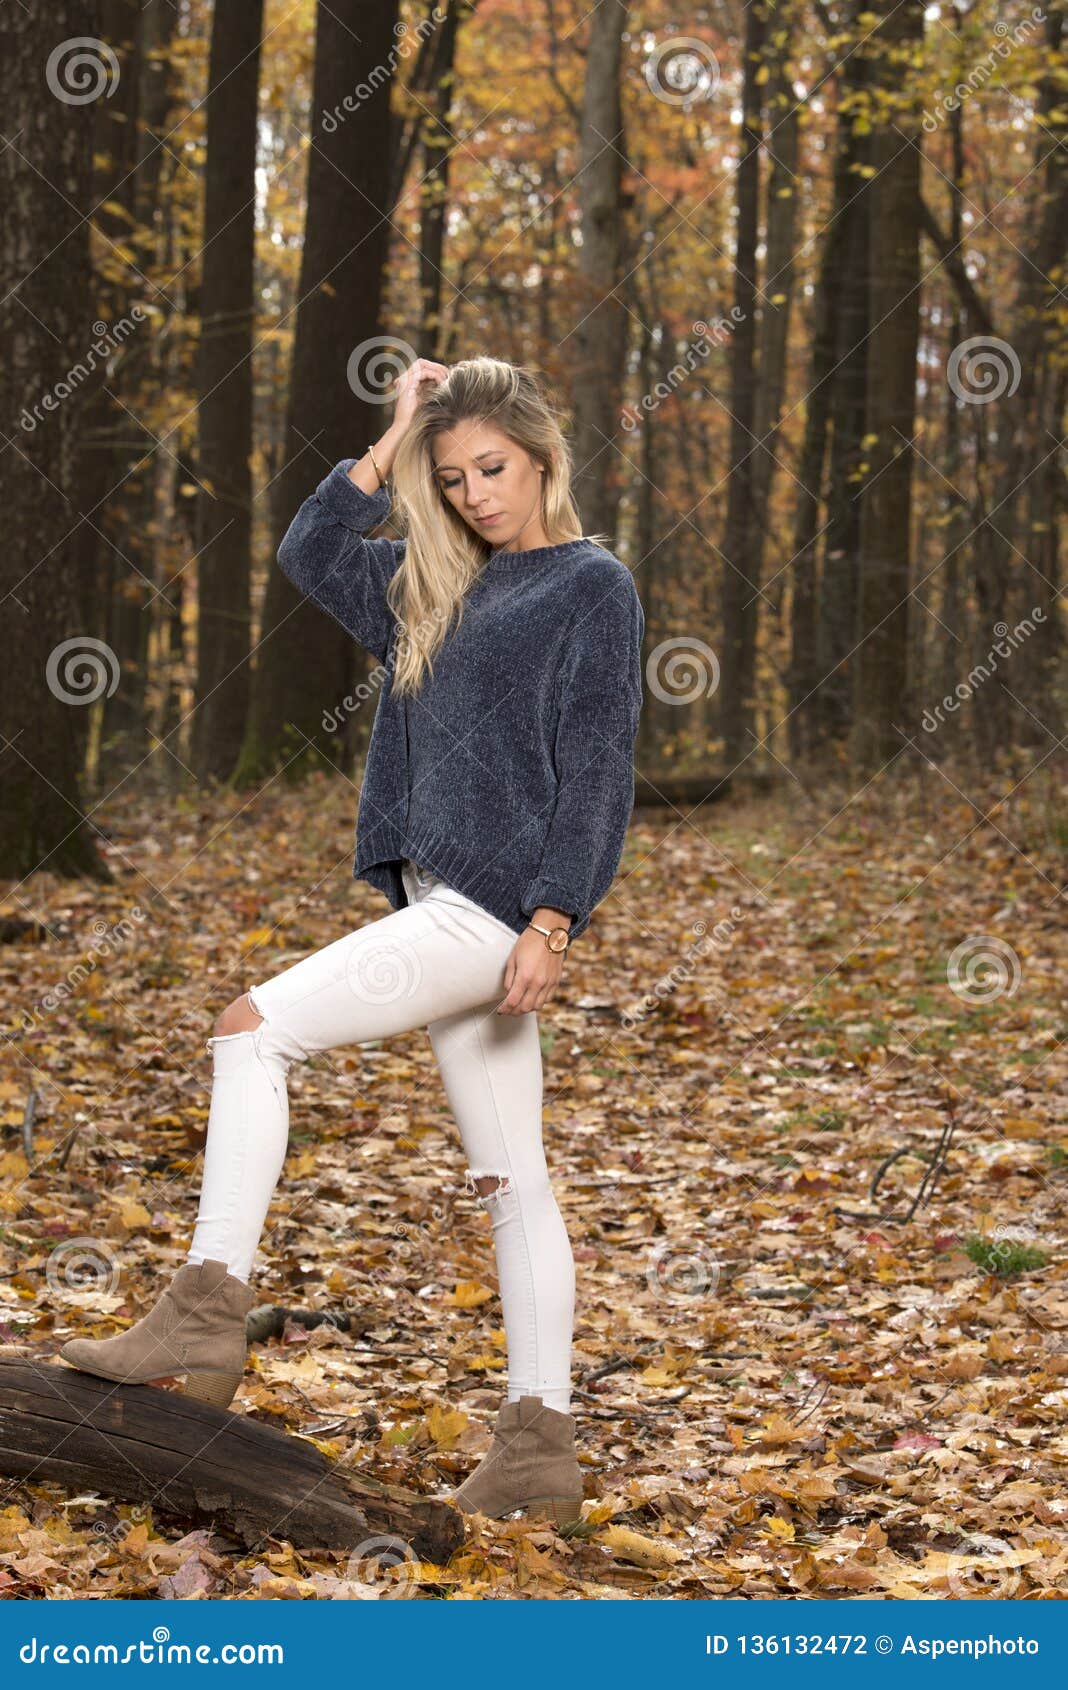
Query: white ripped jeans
x=438 y=963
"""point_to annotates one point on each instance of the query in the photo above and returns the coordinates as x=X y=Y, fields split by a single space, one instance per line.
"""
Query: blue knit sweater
x=511 y=773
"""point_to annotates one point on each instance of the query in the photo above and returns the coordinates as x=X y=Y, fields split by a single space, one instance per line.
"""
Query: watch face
x=558 y=939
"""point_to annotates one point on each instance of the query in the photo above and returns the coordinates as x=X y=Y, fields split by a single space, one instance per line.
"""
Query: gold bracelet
x=378 y=472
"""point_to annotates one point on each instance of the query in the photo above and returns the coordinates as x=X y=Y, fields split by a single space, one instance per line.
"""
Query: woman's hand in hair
x=409 y=387
x=531 y=974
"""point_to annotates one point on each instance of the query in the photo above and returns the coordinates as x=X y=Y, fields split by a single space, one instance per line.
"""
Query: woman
x=495 y=803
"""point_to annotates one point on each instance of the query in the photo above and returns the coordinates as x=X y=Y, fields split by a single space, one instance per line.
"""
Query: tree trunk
x=47 y=331
x=881 y=667
x=740 y=573
x=805 y=674
x=141 y=1443
x=224 y=412
x=434 y=189
x=600 y=333
x=118 y=518
x=305 y=663
x=837 y=623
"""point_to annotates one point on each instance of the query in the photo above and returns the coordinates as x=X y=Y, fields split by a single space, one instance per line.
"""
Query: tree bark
x=600 y=334
x=881 y=667
x=141 y=1443
x=740 y=569
x=46 y=320
x=837 y=622
x=434 y=189
x=305 y=663
x=224 y=412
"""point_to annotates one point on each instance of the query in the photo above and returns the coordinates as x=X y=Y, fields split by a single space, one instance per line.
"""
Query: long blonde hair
x=444 y=556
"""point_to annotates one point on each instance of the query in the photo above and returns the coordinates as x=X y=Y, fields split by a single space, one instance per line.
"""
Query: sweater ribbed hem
x=378 y=861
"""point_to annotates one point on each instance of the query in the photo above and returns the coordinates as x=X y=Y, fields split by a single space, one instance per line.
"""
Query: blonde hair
x=444 y=556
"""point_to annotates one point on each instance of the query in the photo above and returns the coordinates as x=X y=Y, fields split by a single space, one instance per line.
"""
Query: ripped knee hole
x=487 y=1185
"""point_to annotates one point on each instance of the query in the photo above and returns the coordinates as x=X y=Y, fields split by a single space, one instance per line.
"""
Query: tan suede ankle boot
x=196 y=1328
x=530 y=1464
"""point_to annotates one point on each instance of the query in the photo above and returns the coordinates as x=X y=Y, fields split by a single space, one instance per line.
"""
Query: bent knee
x=238 y=1017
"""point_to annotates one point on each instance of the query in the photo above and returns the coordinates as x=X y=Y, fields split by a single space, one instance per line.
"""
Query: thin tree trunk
x=434 y=189
x=600 y=334
x=224 y=413
x=837 y=624
x=740 y=582
x=881 y=668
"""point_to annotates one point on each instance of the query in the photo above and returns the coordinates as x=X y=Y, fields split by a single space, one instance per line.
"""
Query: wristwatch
x=557 y=938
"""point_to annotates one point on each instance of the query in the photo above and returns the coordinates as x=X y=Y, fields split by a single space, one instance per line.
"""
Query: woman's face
x=493 y=483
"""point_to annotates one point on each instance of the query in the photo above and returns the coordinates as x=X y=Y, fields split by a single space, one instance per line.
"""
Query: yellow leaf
x=445 y=1424
x=257 y=936
x=468 y=1293
x=781 y=1529
x=134 y=1215
x=641 y=1551
x=777 y=1430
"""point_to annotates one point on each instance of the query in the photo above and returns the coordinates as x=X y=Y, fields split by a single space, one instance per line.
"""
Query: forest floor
x=785 y=1386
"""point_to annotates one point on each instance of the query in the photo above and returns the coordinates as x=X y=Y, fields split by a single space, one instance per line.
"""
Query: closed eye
x=455 y=483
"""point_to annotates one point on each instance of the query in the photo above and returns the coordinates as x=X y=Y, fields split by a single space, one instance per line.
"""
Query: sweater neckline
x=534 y=554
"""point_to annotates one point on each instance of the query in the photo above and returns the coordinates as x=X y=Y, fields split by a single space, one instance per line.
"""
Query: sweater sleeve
x=325 y=555
x=600 y=694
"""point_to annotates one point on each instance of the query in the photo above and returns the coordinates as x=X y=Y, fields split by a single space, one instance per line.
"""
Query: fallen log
x=684 y=792
x=143 y=1443
x=688 y=792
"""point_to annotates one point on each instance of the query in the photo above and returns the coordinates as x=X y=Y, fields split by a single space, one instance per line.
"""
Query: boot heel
x=561 y=1510
x=216 y=1389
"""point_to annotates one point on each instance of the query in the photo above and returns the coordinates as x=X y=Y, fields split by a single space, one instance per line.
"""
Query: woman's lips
x=482 y=520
